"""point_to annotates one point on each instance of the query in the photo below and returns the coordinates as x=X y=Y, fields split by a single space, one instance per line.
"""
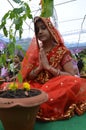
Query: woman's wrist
x=55 y=72
x=33 y=74
x=36 y=71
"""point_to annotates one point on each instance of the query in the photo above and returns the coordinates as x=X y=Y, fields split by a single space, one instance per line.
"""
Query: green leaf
x=2 y=59
x=5 y=31
x=17 y=1
x=2 y=24
x=47 y=8
x=19 y=76
x=3 y=21
x=24 y=17
x=28 y=11
x=12 y=15
x=18 y=23
x=18 y=10
x=20 y=32
x=29 y=15
x=11 y=49
x=6 y=15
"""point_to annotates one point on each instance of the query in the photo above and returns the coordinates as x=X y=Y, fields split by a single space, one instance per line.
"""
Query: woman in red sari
x=48 y=66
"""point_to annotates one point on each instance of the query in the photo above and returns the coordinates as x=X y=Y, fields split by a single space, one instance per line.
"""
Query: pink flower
x=4 y=72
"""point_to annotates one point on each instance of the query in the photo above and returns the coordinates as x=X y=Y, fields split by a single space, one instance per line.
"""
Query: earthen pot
x=20 y=113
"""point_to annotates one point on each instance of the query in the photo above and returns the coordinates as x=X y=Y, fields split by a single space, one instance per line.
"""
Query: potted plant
x=19 y=105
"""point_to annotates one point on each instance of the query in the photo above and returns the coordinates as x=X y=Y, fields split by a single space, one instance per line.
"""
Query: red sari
x=67 y=94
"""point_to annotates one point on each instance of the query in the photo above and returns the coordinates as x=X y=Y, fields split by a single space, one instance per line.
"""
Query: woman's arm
x=68 y=66
x=33 y=74
x=68 y=70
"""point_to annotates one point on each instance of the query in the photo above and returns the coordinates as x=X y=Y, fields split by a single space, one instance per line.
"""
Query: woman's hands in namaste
x=43 y=62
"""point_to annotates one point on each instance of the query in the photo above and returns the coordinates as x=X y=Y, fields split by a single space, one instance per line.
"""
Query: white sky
x=68 y=16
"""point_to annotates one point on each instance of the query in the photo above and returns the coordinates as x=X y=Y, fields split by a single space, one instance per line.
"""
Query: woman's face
x=42 y=32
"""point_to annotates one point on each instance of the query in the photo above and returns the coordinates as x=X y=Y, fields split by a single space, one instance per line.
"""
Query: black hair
x=38 y=20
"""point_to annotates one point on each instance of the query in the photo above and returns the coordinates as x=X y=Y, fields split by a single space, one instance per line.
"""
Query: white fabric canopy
x=69 y=18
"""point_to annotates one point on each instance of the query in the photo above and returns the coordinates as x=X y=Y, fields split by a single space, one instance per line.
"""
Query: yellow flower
x=13 y=86
x=26 y=86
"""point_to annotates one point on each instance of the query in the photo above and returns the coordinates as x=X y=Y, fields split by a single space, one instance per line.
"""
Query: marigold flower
x=26 y=86
x=13 y=86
